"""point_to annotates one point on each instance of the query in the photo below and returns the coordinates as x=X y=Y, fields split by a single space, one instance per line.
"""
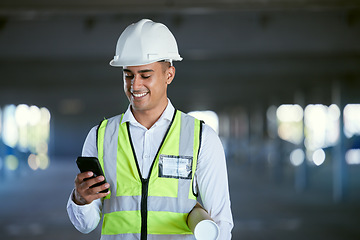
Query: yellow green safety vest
x=153 y=208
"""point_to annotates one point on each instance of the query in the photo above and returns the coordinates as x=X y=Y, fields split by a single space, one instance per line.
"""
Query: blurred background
x=279 y=80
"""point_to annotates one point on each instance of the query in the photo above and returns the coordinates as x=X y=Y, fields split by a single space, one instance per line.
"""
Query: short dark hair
x=165 y=64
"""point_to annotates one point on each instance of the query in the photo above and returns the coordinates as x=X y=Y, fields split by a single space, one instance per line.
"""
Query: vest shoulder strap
x=97 y=133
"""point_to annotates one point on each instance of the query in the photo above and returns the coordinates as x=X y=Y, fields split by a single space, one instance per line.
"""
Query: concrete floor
x=33 y=206
x=264 y=209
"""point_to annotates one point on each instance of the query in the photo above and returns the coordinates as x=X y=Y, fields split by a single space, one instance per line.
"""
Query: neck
x=148 y=118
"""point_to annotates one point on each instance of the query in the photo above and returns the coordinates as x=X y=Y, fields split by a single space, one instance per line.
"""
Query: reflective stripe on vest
x=136 y=236
x=149 y=208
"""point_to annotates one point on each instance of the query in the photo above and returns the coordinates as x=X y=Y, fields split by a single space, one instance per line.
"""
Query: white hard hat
x=145 y=42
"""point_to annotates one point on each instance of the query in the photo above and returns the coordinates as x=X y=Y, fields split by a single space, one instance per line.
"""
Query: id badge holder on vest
x=175 y=166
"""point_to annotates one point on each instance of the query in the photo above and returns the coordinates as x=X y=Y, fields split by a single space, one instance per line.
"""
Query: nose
x=136 y=83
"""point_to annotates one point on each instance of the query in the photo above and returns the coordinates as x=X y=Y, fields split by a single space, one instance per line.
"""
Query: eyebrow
x=140 y=71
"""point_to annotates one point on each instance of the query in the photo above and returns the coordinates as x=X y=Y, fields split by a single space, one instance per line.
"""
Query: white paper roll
x=207 y=230
x=201 y=224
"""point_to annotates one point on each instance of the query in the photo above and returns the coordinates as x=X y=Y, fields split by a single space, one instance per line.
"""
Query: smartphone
x=86 y=164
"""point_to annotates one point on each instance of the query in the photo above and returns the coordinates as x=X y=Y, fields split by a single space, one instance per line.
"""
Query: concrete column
x=340 y=171
x=301 y=172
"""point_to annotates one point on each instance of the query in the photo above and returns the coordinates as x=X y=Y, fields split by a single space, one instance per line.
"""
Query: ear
x=170 y=74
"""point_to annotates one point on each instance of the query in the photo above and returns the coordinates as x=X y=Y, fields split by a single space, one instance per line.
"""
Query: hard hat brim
x=117 y=63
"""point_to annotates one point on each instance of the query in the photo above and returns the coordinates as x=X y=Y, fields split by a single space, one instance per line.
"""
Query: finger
x=82 y=176
x=86 y=195
x=83 y=182
x=99 y=189
x=101 y=195
x=91 y=198
x=92 y=181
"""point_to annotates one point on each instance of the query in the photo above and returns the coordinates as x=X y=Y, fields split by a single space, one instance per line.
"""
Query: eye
x=145 y=76
x=129 y=76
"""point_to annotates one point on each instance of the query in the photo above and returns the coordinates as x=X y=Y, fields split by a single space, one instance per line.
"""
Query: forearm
x=218 y=206
x=85 y=218
x=212 y=181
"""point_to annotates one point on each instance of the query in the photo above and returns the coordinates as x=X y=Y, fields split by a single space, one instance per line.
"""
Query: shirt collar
x=166 y=115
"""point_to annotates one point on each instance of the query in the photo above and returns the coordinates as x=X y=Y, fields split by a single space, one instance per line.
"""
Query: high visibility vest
x=153 y=208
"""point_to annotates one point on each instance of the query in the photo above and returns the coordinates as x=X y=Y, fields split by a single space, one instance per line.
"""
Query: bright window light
x=11 y=162
x=22 y=115
x=209 y=117
x=352 y=120
x=27 y=129
x=352 y=156
x=290 y=125
x=318 y=157
x=290 y=113
x=10 y=131
x=321 y=126
x=297 y=157
x=33 y=162
x=45 y=115
x=43 y=161
x=35 y=115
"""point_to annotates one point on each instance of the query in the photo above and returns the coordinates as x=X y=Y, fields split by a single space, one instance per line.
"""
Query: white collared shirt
x=211 y=174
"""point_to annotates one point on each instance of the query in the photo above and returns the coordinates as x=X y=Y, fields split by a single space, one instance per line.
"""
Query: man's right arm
x=85 y=218
x=85 y=214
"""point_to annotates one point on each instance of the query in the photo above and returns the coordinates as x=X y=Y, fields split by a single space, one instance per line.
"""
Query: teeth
x=139 y=94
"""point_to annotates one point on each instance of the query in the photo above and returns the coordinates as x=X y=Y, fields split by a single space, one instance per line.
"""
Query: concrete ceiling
x=236 y=53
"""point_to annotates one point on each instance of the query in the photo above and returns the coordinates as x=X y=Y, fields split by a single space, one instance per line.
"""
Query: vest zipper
x=144 y=211
x=145 y=181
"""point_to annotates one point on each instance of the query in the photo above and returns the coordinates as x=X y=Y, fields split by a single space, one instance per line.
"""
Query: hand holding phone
x=84 y=193
x=91 y=164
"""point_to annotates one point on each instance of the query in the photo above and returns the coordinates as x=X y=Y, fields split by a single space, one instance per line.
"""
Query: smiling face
x=146 y=86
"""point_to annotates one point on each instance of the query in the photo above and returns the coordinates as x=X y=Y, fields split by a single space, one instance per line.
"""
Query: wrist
x=77 y=199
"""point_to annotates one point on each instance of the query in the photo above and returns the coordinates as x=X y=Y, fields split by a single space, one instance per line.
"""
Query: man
x=156 y=159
